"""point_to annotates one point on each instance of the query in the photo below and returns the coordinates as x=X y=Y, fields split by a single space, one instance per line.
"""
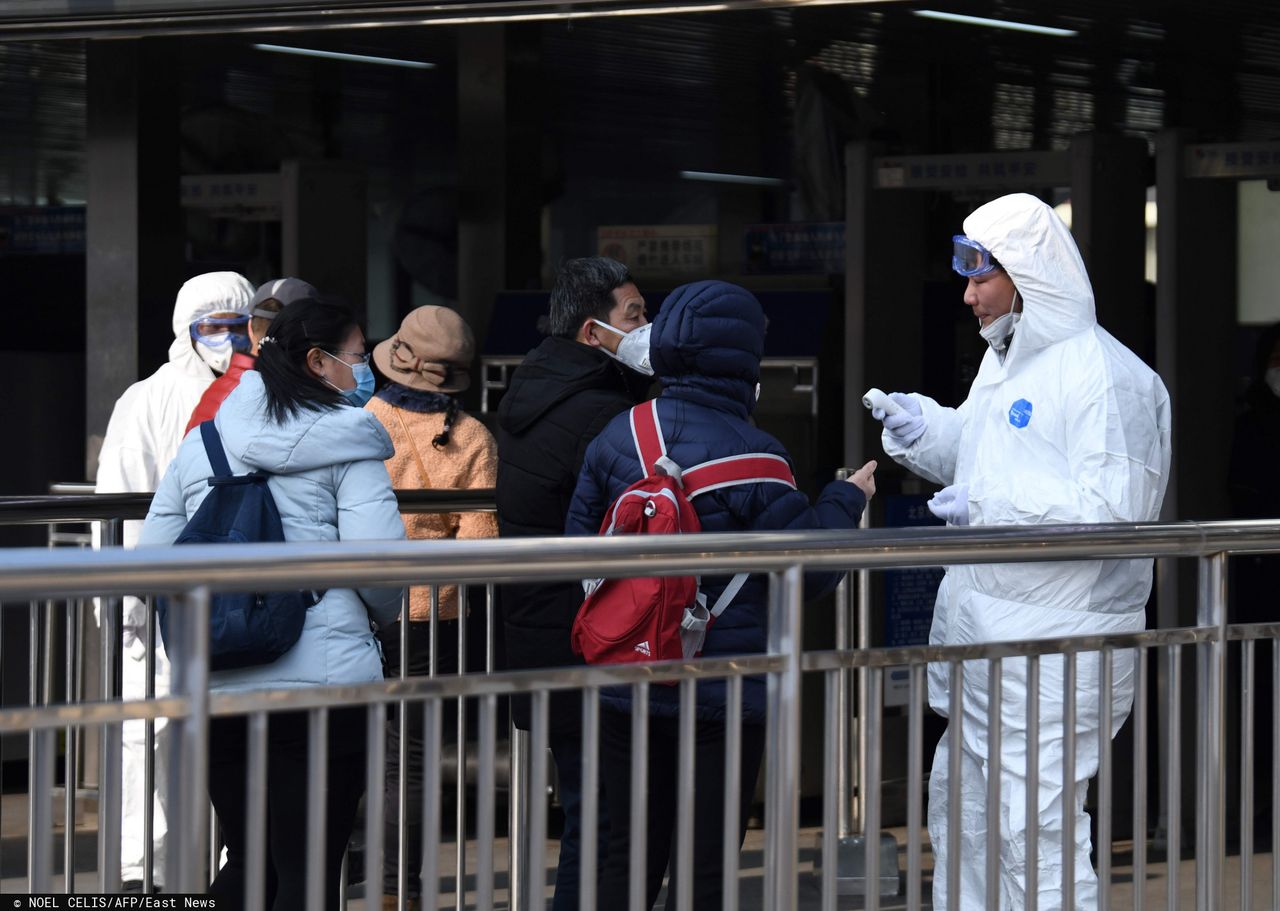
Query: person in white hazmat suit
x=210 y=315
x=1063 y=424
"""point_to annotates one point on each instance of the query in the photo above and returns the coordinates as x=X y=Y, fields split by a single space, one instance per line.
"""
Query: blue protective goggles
x=970 y=258
x=217 y=331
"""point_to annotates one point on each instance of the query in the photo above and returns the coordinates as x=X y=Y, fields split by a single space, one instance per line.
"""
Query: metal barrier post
x=863 y=634
x=852 y=759
x=111 y=746
x=534 y=895
x=402 y=773
x=40 y=835
x=38 y=816
x=71 y=759
x=460 y=765
x=149 y=752
x=375 y=793
x=518 y=817
x=1211 y=665
x=485 y=800
x=782 y=797
x=843 y=698
x=189 y=753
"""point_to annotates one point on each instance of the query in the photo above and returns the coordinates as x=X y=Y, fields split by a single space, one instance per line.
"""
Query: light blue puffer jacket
x=329 y=484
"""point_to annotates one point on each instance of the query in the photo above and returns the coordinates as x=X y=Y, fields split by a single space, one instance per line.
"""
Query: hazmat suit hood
x=211 y=292
x=1037 y=250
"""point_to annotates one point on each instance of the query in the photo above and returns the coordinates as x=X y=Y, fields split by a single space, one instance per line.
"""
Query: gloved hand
x=907 y=425
x=951 y=504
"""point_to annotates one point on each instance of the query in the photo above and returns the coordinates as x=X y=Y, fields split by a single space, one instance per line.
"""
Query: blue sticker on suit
x=1020 y=413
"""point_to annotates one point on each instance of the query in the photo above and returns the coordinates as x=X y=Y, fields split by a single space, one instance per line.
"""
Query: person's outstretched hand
x=951 y=504
x=865 y=479
x=907 y=425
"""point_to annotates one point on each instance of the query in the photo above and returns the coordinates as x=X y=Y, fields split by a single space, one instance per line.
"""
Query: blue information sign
x=909 y=593
x=42 y=229
x=799 y=248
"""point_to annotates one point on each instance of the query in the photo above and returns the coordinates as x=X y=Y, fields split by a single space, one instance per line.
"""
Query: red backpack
x=664 y=617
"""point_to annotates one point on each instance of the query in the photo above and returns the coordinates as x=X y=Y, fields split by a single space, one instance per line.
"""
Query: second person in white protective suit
x=1063 y=424
x=210 y=316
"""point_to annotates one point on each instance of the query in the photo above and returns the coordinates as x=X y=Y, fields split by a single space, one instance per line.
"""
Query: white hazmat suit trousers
x=133 y=799
x=975 y=774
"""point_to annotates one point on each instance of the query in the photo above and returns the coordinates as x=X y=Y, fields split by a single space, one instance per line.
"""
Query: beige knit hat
x=432 y=351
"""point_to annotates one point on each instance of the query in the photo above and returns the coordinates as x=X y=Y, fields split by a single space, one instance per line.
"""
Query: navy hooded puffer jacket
x=705 y=346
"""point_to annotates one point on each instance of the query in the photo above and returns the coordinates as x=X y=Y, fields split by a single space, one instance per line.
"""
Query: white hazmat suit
x=1071 y=427
x=143 y=436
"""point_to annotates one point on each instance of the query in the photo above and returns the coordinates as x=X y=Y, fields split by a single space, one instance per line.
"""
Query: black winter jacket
x=560 y=398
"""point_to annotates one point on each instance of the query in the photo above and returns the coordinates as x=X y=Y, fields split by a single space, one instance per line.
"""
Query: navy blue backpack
x=247 y=628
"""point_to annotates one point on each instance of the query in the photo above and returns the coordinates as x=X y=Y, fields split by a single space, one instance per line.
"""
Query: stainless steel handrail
x=90 y=507
x=191 y=571
x=66 y=573
x=452 y=686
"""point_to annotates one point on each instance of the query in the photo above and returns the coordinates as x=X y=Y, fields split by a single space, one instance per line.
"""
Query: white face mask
x=216 y=350
x=999 y=331
x=633 y=350
x=1272 y=377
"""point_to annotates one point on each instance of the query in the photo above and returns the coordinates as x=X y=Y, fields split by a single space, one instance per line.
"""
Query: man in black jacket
x=592 y=366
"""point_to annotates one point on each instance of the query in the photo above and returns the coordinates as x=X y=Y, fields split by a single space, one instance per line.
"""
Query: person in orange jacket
x=437 y=445
x=269 y=300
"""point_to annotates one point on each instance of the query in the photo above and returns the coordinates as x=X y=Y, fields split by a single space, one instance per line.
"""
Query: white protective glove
x=951 y=504
x=907 y=425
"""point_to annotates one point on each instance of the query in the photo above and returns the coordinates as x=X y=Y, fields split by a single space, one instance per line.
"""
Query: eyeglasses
x=970 y=258
x=364 y=358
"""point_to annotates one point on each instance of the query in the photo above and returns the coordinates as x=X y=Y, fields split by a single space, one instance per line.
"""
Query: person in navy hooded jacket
x=705 y=347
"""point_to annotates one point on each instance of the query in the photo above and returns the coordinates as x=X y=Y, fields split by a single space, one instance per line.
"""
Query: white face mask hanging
x=1272 y=377
x=633 y=350
x=999 y=331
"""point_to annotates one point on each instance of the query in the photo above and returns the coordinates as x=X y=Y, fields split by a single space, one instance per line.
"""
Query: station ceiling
x=623 y=81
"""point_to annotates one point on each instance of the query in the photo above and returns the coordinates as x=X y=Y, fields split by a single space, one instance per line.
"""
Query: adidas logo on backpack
x=629 y=620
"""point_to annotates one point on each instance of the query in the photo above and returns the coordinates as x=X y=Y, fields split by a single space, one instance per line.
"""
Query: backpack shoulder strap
x=749 y=468
x=213 y=448
x=646 y=433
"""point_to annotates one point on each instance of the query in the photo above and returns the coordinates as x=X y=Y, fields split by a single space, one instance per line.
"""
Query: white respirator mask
x=633 y=350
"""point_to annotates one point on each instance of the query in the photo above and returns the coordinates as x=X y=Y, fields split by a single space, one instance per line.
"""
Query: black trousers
x=419 y=665
x=287 y=808
x=708 y=805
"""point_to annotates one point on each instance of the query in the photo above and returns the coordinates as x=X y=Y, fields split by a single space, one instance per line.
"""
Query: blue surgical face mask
x=362 y=373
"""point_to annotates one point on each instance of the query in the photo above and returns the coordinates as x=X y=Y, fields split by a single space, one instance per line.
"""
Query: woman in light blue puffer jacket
x=294 y=419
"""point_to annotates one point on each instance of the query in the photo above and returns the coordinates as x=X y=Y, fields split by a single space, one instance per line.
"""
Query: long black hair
x=282 y=357
x=441 y=439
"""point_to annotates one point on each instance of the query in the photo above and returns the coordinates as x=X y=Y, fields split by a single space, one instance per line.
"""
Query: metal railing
x=91 y=507
x=69 y=512
x=193 y=571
